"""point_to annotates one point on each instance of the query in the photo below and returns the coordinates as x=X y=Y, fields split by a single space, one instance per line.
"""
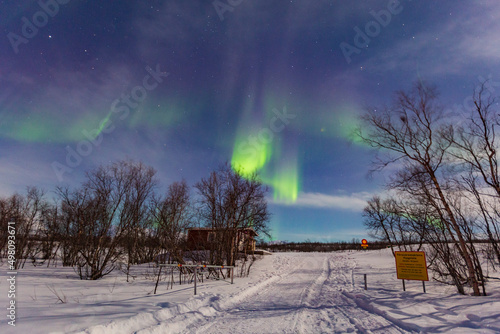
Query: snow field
x=285 y=293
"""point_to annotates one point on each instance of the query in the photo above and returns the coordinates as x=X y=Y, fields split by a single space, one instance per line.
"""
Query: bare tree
x=395 y=222
x=229 y=202
x=379 y=219
x=103 y=212
x=71 y=213
x=475 y=141
x=137 y=204
x=173 y=215
x=50 y=238
x=25 y=212
x=414 y=134
x=5 y=217
x=475 y=146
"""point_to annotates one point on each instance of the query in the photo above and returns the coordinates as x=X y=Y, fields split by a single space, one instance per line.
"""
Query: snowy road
x=308 y=299
x=309 y=293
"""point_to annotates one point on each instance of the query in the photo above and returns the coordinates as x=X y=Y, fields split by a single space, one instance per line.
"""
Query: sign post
x=364 y=244
x=411 y=266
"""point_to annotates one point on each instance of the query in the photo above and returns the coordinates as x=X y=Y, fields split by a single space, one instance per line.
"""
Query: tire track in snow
x=273 y=304
x=363 y=304
x=321 y=307
x=180 y=322
x=362 y=320
x=366 y=322
x=320 y=312
x=186 y=321
x=329 y=310
x=311 y=293
x=308 y=293
x=174 y=319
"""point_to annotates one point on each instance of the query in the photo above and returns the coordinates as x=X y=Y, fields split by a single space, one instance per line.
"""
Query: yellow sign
x=411 y=266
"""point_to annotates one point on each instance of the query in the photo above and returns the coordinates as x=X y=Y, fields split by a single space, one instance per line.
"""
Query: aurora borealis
x=186 y=86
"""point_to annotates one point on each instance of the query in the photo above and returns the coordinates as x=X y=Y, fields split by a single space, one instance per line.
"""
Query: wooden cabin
x=201 y=238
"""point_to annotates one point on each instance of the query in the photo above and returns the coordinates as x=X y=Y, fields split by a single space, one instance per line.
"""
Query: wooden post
x=180 y=275
x=157 y=280
x=404 y=287
x=195 y=280
x=172 y=280
x=232 y=275
x=423 y=285
x=366 y=287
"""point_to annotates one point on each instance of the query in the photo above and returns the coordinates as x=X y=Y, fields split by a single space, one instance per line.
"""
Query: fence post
x=172 y=280
x=195 y=280
x=366 y=287
x=157 y=280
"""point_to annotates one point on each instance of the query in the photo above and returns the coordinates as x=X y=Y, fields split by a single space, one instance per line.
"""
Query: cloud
x=451 y=45
x=352 y=202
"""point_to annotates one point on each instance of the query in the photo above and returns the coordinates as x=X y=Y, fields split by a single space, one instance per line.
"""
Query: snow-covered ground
x=285 y=293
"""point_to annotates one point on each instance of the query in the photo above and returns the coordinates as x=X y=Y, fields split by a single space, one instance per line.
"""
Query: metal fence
x=195 y=267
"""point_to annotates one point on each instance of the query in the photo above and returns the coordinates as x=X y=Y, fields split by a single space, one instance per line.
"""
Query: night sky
x=269 y=86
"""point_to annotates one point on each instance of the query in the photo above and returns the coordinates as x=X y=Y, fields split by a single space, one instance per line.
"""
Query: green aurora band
x=47 y=127
x=260 y=158
x=247 y=159
x=286 y=183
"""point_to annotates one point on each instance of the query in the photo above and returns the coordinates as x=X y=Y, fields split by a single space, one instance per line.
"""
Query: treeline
x=444 y=183
x=321 y=246
x=344 y=246
x=116 y=218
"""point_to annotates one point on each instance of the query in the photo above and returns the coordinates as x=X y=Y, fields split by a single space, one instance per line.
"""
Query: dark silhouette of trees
x=106 y=215
x=114 y=219
x=173 y=214
x=25 y=211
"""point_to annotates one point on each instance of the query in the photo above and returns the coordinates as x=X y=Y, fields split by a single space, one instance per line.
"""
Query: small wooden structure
x=201 y=238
